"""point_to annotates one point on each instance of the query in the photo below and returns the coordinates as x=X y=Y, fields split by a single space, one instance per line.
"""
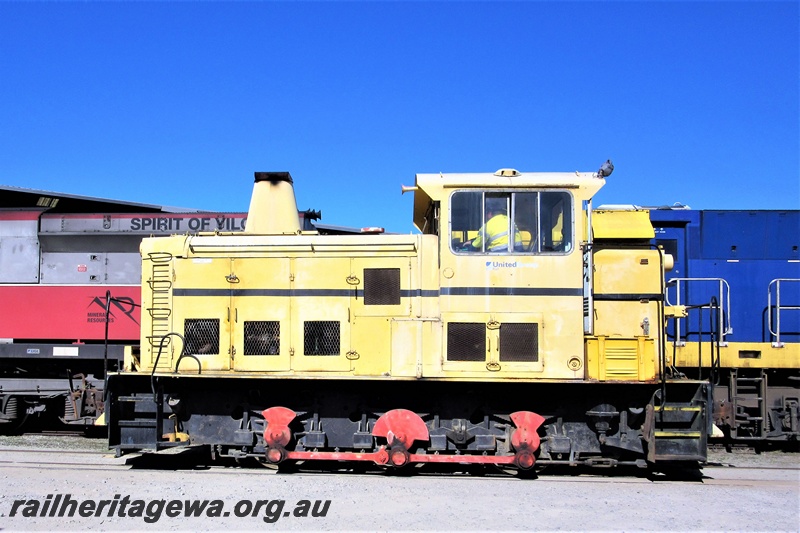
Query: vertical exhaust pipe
x=273 y=207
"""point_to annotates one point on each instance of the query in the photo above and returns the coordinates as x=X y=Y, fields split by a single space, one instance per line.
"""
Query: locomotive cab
x=513 y=308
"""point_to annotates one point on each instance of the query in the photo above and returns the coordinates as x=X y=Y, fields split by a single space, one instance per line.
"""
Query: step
x=148 y=398
x=678 y=434
x=139 y=423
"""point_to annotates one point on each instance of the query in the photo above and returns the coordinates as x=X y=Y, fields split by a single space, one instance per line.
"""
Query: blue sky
x=179 y=103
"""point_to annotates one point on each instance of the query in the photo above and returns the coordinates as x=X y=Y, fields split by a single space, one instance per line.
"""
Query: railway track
x=722 y=469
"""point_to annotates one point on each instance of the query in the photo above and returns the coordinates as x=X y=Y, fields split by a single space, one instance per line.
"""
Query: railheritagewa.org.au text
x=152 y=510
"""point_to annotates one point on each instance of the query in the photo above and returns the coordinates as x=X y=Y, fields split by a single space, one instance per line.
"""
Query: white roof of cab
x=586 y=182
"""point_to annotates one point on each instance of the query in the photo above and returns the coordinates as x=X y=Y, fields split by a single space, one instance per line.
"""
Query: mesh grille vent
x=202 y=335
x=466 y=341
x=262 y=337
x=321 y=338
x=519 y=342
x=381 y=286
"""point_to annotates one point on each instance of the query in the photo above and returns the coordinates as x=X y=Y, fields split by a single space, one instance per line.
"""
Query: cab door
x=260 y=314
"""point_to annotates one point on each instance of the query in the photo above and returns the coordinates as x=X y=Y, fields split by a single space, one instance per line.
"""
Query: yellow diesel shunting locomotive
x=519 y=328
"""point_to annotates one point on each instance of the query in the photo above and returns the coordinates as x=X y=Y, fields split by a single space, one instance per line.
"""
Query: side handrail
x=778 y=308
x=723 y=301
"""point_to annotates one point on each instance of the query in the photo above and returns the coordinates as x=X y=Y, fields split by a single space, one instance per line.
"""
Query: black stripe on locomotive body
x=511 y=291
x=401 y=349
x=445 y=291
x=730 y=266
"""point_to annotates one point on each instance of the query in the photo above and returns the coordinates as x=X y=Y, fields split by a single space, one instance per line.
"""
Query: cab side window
x=492 y=222
x=466 y=217
x=556 y=226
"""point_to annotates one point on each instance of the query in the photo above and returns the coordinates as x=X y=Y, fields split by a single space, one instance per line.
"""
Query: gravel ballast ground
x=737 y=492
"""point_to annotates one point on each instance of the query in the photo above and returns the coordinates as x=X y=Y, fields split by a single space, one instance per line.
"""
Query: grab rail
x=723 y=298
x=778 y=308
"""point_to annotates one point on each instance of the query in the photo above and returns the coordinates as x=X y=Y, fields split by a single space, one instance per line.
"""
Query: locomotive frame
x=288 y=346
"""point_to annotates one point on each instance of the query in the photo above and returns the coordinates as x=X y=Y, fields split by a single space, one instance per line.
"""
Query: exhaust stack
x=273 y=208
